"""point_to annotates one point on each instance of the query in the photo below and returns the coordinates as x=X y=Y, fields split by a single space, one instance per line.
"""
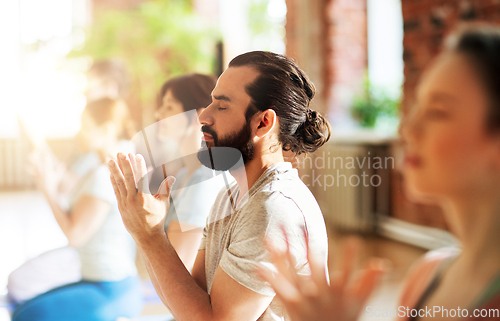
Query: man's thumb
x=166 y=187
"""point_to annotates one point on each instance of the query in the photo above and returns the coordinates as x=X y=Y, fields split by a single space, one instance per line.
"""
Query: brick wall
x=347 y=54
x=426 y=25
x=339 y=37
x=305 y=42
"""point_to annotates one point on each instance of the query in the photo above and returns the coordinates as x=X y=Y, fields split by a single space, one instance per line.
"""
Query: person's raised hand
x=312 y=297
x=143 y=214
x=46 y=171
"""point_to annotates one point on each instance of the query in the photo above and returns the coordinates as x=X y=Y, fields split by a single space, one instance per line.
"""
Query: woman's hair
x=283 y=87
x=106 y=110
x=481 y=45
x=113 y=70
x=193 y=91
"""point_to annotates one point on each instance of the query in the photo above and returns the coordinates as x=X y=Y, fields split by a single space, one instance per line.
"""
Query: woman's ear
x=265 y=122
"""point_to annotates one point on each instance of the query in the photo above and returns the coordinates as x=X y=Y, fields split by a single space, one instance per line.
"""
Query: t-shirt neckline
x=263 y=178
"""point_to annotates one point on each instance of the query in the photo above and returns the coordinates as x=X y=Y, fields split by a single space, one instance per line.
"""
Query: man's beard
x=230 y=152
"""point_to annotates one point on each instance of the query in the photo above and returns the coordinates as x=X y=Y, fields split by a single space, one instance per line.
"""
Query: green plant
x=374 y=103
x=157 y=40
x=266 y=25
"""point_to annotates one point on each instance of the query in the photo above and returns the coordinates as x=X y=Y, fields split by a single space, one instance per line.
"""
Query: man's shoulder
x=279 y=205
x=285 y=200
x=284 y=191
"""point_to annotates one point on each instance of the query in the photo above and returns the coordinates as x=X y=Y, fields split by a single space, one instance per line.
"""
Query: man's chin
x=204 y=157
x=220 y=158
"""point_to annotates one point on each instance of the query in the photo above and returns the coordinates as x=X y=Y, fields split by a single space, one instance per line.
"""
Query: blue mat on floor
x=150 y=295
x=165 y=317
x=5 y=303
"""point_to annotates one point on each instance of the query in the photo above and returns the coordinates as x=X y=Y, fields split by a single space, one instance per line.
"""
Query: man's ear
x=265 y=122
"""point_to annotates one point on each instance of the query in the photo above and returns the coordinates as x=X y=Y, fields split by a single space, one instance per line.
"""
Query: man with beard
x=260 y=108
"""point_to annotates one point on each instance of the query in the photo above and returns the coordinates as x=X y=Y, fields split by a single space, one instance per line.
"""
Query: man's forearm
x=180 y=292
x=153 y=278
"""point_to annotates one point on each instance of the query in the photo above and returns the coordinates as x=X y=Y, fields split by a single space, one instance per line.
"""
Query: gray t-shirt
x=234 y=240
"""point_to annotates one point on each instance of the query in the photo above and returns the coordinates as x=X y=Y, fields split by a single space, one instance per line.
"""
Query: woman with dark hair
x=109 y=286
x=452 y=145
x=181 y=100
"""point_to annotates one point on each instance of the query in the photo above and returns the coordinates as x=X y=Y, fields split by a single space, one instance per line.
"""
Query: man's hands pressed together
x=143 y=214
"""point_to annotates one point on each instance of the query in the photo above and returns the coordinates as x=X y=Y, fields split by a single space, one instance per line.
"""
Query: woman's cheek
x=452 y=150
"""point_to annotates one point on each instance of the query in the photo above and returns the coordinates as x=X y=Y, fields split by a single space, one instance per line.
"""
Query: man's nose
x=205 y=117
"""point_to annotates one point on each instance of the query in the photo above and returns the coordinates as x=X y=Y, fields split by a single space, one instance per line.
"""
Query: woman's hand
x=311 y=298
x=46 y=170
x=143 y=214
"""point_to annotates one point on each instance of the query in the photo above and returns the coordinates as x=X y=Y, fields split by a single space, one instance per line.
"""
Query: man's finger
x=118 y=178
x=133 y=163
x=141 y=174
x=115 y=188
x=128 y=174
x=166 y=188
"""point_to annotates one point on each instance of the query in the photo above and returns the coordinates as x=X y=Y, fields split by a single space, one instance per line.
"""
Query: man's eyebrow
x=221 y=97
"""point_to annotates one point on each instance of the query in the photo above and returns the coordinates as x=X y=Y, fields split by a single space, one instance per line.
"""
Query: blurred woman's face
x=448 y=149
x=94 y=137
x=170 y=107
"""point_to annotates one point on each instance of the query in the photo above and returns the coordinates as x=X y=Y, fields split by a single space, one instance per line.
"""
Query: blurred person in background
x=109 y=286
x=452 y=146
x=197 y=186
x=107 y=79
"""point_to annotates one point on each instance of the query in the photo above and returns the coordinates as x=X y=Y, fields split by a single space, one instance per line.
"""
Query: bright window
x=39 y=83
x=385 y=46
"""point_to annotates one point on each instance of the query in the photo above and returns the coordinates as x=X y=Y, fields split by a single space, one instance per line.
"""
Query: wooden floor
x=27 y=229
